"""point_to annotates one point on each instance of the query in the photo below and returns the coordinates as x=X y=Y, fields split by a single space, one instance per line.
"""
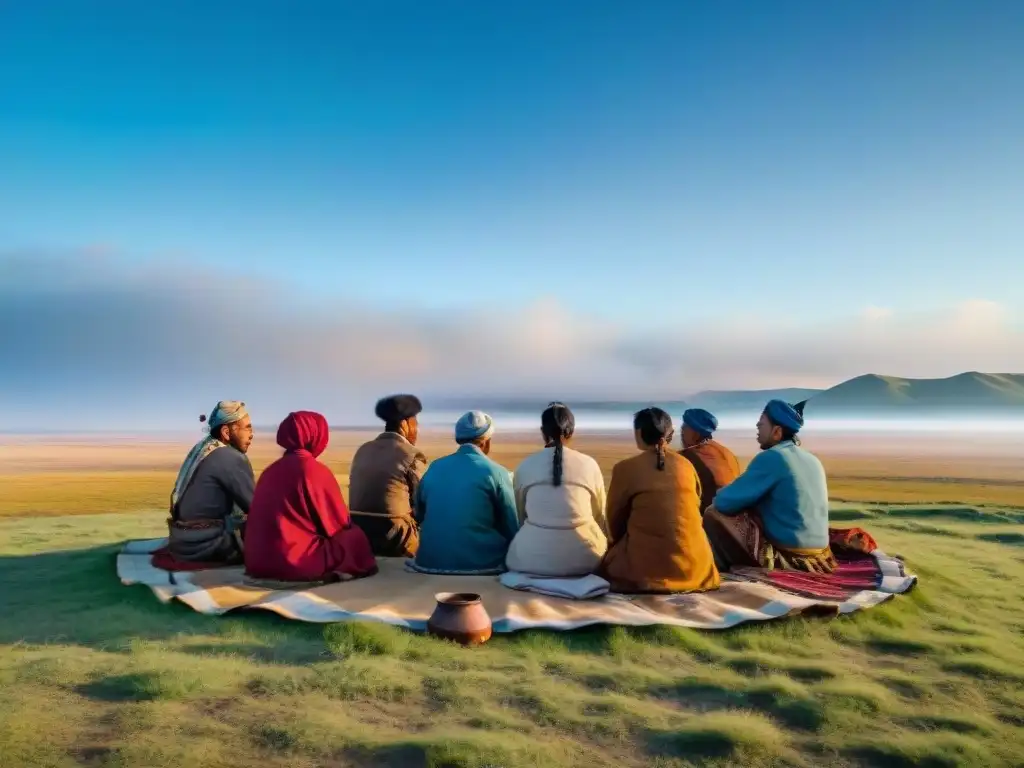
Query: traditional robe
x=383 y=482
x=299 y=528
x=564 y=530
x=656 y=542
x=716 y=467
x=774 y=515
x=467 y=514
x=209 y=504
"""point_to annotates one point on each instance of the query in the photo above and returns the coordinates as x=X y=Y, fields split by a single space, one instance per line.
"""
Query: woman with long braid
x=656 y=541
x=560 y=499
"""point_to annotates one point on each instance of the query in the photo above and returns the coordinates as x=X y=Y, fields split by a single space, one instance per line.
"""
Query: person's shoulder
x=227 y=457
x=721 y=448
x=628 y=466
x=806 y=456
x=584 y=459
x=496 y=469
x=534 y=461
x=317 y=468
x=679 y=461
x=773 y=457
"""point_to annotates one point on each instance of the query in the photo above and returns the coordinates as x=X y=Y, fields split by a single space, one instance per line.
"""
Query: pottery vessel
x=460 y=616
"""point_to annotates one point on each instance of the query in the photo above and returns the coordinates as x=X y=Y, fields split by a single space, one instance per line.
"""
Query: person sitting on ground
x=656 y=541
x=716 y=465
x=560 y=499
x=466 y=507
x=774 y=515
x=384 y=476
x=299 y=528
x=213 y=490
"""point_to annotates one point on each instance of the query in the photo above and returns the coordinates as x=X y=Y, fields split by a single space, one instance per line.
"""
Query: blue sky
x=650 y=166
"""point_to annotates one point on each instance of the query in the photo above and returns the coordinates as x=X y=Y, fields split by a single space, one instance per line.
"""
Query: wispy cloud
x=90 y=332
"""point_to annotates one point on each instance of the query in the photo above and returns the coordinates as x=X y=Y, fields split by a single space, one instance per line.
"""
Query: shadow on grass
x=795 y=712
x=1011 y=539
x=75 y=597
x=117 y=689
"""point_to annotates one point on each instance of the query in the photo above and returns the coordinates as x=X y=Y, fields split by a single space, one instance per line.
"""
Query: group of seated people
x=670 y=521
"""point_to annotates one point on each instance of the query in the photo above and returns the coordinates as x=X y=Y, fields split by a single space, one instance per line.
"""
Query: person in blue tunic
x=775 y=514
x=465 y=506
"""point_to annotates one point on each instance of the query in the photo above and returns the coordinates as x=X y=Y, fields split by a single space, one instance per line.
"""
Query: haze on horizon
x=310 y=207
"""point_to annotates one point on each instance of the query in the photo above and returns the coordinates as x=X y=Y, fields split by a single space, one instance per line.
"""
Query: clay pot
x=460 y=616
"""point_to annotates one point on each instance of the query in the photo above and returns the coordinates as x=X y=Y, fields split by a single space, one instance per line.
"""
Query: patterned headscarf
x=226 y=412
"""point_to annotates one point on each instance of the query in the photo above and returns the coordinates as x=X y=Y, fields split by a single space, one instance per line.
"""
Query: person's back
x=299 y=525
x=383 y=482
x=384 y=477
x=716 y=467
x=466 y=510
x=657 y=542
x=223 y=482
x=564 y=532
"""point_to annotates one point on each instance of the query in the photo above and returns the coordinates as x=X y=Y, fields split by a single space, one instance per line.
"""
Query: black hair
x=557 y=424
x=656 y=429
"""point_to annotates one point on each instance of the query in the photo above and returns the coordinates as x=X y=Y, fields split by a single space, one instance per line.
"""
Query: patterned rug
x=403 y=598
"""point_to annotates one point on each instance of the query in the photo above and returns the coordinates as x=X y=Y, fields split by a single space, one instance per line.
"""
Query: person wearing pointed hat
x=775 y=514
x=213 y=490
x=384 y=477
x=716 y=465
x=466 y=506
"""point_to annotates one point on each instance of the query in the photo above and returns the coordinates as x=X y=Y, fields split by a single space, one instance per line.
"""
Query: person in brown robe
x=656 y=541
x=716 y=465
x=384 y=479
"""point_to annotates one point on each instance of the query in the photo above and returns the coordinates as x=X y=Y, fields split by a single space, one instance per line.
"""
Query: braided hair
x=557 y=424
x=655 y=427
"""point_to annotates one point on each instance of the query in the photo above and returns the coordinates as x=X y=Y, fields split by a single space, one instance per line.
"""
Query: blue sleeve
x=749 y=488
x=505 y=503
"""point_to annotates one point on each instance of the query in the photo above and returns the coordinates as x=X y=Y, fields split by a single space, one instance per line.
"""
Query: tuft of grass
x=747 y=737
x=911 y=750
x=985 y=667
x=366 y=637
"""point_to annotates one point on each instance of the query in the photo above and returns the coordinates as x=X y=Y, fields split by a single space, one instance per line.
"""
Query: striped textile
x=406 y=599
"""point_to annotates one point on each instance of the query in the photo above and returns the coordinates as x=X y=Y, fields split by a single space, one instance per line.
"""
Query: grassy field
x=96 y=674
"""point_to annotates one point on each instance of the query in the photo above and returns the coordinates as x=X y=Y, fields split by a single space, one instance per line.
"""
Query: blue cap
x=474 y=425
x=700 y=421
x=785 y=415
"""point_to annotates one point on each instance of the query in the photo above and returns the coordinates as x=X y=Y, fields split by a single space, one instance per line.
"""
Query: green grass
x=96 y=674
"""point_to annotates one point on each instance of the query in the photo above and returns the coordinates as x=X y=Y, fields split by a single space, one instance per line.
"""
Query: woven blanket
x=400 y=597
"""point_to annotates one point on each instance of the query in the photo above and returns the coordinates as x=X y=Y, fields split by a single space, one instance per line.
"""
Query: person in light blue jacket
x=465 y=506
x=775 y=514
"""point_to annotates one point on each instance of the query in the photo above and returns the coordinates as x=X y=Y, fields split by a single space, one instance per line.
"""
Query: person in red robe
x=299 y=528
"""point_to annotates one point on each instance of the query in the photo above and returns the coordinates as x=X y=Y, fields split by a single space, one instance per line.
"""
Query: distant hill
x=746 y=400
x=889 y=395
x=713 y=400
x=870 y=394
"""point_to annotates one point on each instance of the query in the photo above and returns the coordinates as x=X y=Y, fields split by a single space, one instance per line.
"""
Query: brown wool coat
x=716 y=467
x=383 y=480
x=656 y=542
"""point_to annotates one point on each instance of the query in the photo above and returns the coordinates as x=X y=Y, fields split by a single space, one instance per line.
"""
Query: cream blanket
x=397 y=596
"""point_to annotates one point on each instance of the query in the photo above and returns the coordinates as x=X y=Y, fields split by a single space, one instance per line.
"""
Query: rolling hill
x=872 y=393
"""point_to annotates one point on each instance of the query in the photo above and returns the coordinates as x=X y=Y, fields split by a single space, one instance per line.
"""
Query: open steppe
x=96 y=674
